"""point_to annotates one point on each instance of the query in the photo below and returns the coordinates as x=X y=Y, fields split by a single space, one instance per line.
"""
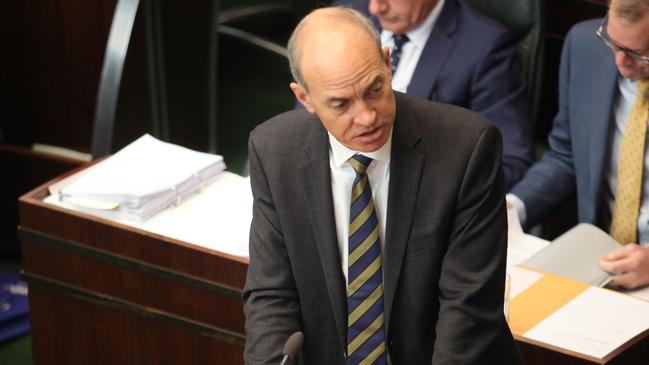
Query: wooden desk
x=105 y=293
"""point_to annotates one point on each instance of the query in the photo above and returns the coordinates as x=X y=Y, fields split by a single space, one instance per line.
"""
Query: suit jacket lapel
x=602 y=94
x=316 y=187
x=437 y=49
x=405 y=174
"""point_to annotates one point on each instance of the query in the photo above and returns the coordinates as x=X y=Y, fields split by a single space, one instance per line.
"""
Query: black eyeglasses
x=602 y=33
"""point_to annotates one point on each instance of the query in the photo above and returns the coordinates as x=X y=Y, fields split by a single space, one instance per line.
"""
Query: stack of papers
x=217 y=219
x=140 y=180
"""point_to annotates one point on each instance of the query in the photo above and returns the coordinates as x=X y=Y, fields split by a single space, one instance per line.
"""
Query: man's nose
x=622 y=59
x=377 y=7
x=365 y=115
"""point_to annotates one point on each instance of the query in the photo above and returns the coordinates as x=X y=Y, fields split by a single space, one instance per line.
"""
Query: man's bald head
x=337 y=53
x=330 y=28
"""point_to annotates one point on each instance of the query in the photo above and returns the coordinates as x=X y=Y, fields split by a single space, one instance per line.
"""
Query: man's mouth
x=371 y=134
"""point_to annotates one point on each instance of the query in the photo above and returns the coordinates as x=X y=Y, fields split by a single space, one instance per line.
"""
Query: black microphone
x=292 y=346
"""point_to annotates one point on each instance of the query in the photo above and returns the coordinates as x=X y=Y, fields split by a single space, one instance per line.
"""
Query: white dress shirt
x=342 y=179
x=411 y=50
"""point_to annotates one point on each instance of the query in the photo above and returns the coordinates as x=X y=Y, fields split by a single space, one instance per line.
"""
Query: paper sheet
x=595 y=323
x=521 y=279
x=545 y=296
x=642 y=293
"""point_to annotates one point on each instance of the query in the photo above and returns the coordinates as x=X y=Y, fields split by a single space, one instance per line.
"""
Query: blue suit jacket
x=471 y=61
x=579 y=141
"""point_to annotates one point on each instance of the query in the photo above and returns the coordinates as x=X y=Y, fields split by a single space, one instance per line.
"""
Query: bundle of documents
x=140 y=180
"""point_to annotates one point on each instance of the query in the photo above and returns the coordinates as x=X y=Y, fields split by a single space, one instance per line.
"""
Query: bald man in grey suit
x=438 y=193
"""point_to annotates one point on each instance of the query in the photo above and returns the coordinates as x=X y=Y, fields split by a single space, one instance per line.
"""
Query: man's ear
x=387 y=59
x=301 y=96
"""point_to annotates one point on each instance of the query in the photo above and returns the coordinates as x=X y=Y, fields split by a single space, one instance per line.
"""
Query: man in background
x=598 y=143
x=444 y=50
x=379 y=225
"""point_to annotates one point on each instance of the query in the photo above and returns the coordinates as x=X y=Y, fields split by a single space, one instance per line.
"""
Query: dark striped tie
x=395 y=55
x=365 y=331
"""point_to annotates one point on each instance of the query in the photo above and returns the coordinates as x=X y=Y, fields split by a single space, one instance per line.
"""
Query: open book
x=140 y=180
x=574 y=255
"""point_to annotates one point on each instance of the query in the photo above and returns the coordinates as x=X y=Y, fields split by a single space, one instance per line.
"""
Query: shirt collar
x=627 y=87
x=418 y=36
x=342 y=153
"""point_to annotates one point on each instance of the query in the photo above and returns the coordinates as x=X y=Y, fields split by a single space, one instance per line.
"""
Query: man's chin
x=393 y=26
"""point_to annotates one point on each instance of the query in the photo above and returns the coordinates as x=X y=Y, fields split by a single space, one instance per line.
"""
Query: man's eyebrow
x=378 y=79
x=634 y=50
x=335 y=99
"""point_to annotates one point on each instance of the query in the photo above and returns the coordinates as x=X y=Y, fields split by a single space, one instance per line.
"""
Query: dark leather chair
x=526 y=19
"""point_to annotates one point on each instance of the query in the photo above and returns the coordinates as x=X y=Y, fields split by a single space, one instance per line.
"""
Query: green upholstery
x=526 y=19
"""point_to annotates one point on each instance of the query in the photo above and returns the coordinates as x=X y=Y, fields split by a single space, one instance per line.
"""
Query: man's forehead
x=630 y=34
x=341 y=63
x=344 y=91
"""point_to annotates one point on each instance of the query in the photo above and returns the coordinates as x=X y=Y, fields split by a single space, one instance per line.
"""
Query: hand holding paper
x=629 y=264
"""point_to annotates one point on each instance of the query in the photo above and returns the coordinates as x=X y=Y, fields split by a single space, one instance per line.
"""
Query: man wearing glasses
x=598 y=143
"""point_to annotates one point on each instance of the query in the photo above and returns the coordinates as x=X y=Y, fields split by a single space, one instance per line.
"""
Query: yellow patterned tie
x=630 y=169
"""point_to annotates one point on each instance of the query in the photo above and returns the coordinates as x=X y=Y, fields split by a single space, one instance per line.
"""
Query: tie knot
x=400 y=40
x=360 y=163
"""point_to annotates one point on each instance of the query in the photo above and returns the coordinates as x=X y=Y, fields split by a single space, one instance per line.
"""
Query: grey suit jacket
x=580 y=137
x=445 y=241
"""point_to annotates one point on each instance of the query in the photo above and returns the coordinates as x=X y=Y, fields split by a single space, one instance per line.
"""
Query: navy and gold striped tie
x=365 y=331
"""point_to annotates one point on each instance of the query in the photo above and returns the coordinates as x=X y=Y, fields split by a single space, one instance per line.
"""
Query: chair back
x=526 y=19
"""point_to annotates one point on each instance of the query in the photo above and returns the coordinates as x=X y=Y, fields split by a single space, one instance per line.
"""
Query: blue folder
x=14 y=307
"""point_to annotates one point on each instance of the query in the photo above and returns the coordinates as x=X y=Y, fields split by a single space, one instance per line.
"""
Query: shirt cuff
x=519 y=206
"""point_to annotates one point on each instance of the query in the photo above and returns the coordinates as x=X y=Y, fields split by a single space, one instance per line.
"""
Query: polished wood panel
x=52 y=56
x=21 y=170
x=85 y=332
x=56 y=51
